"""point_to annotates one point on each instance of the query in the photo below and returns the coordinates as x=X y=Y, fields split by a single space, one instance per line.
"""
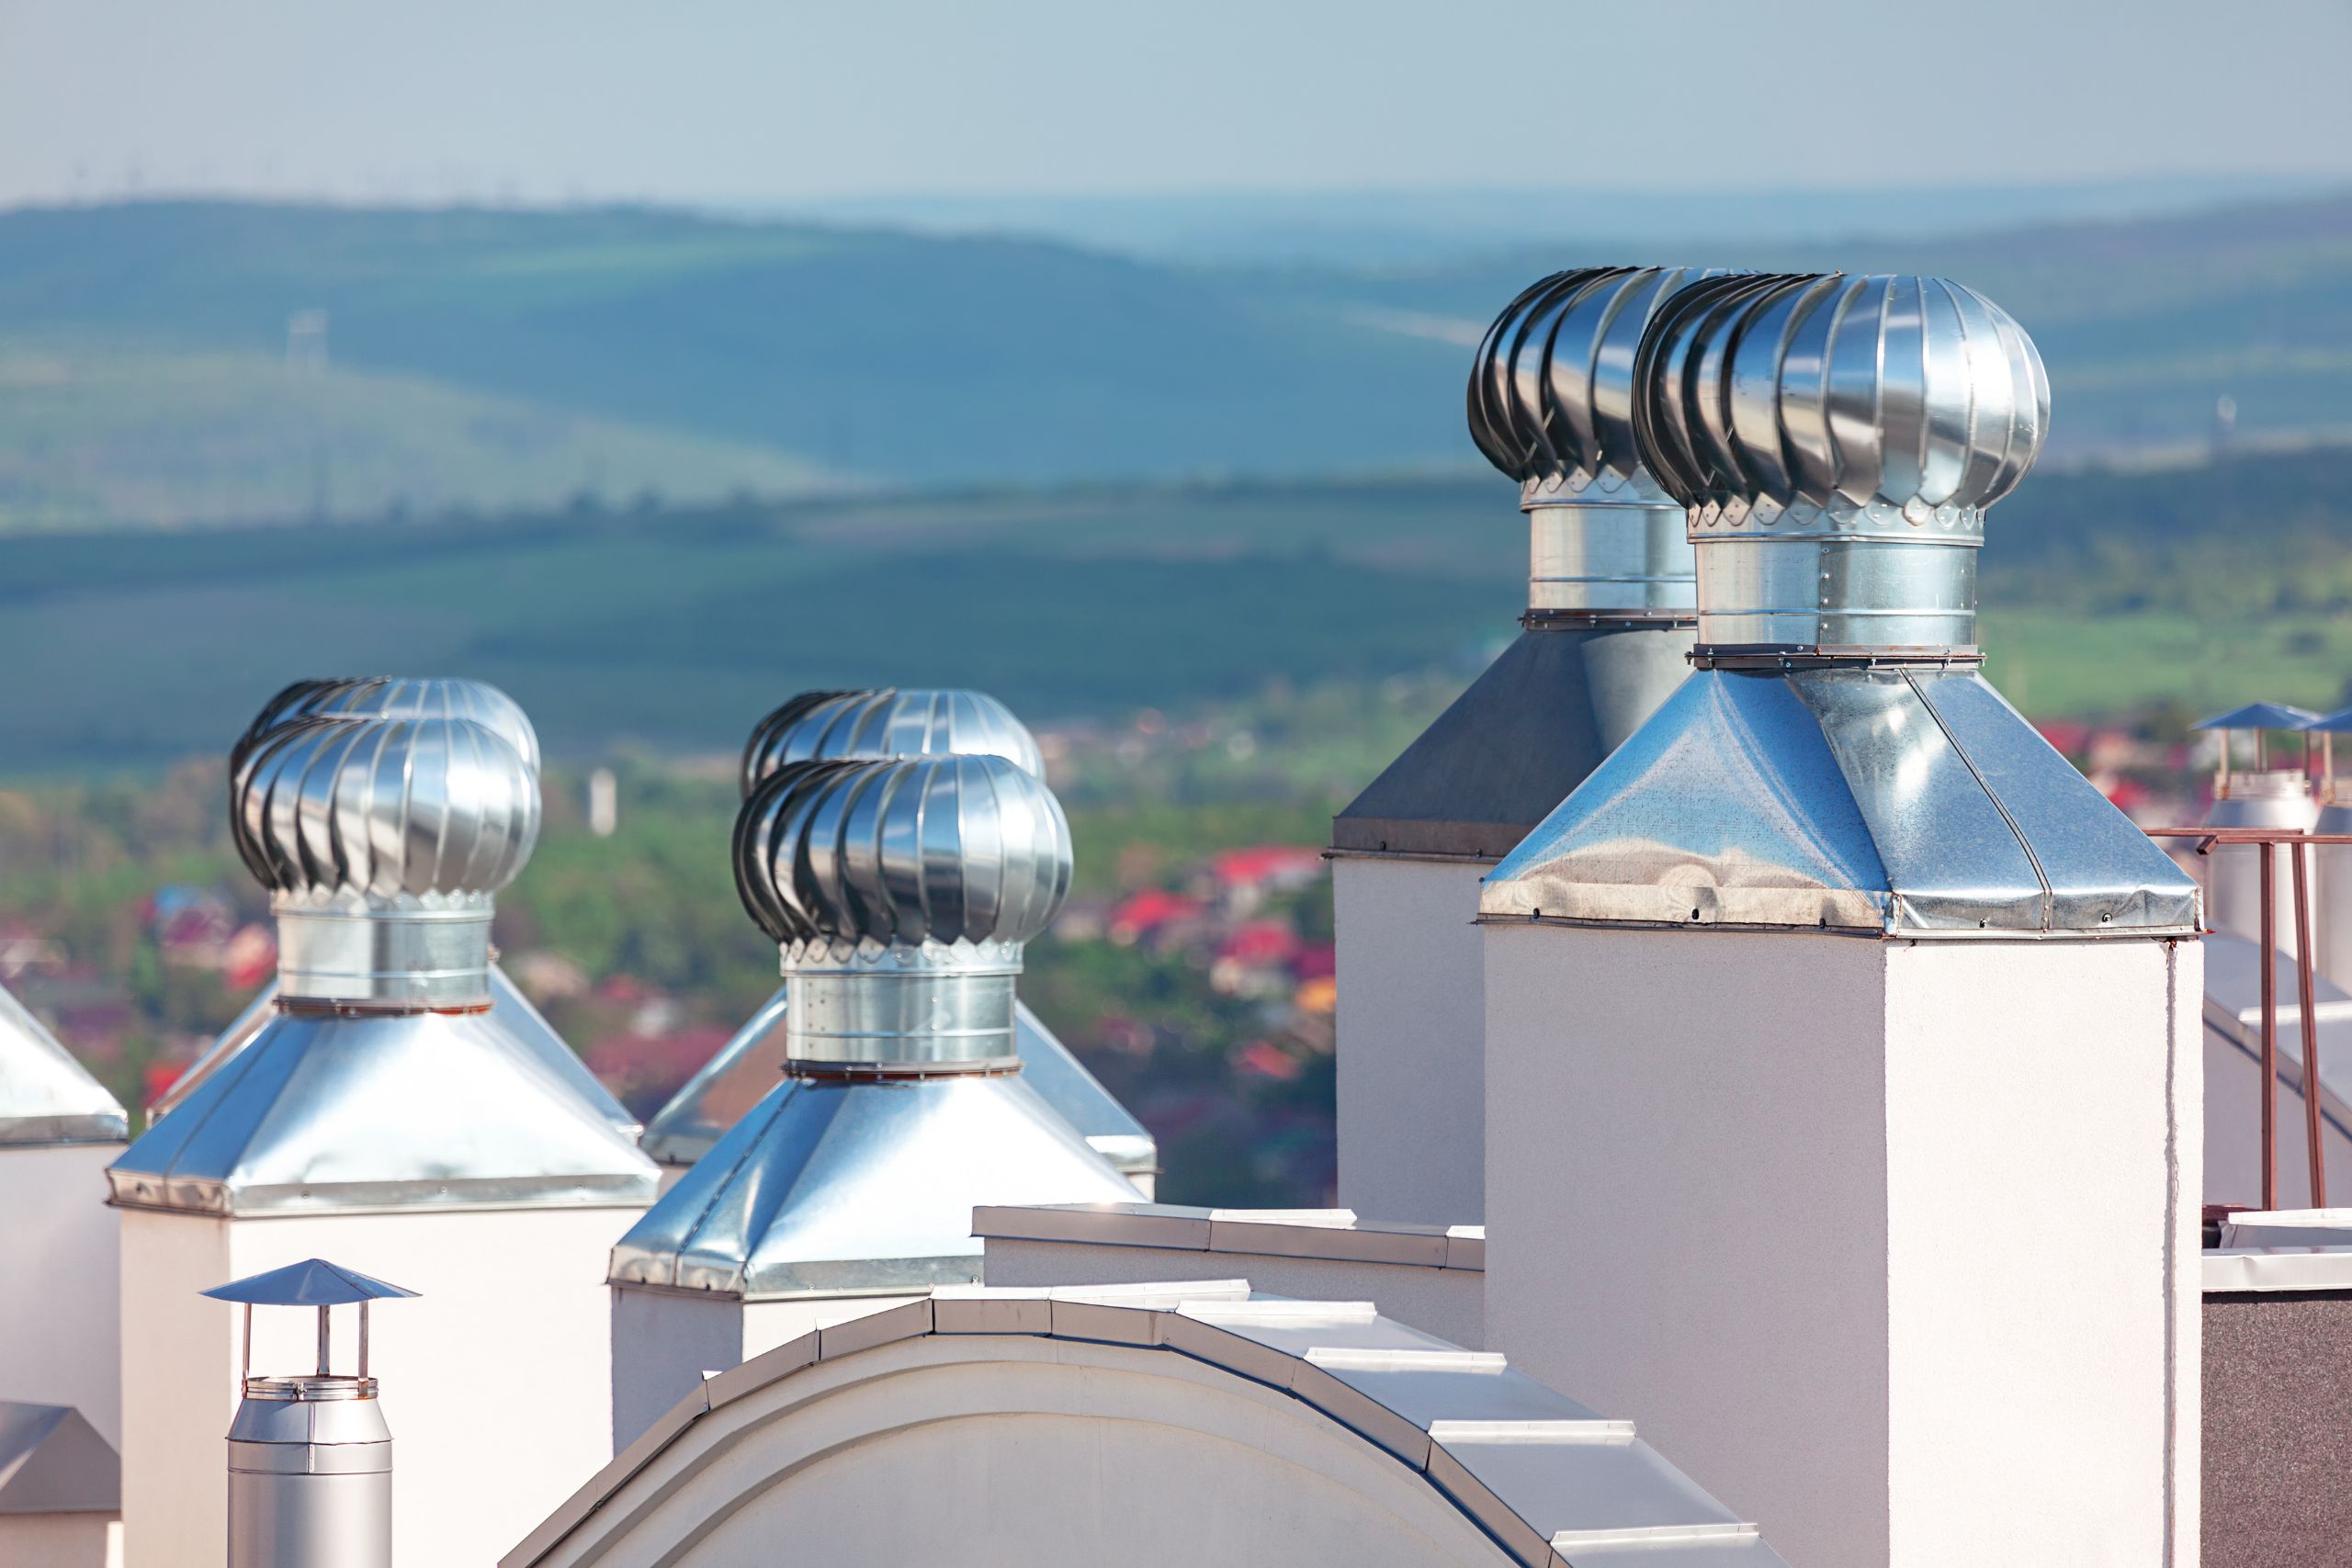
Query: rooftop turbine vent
x=1837 y=441
x=1550 y=405
x=383 y=841
x=398 y=696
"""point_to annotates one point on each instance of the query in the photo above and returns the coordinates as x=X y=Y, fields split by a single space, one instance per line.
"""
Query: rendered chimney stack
x=59 y=1130
x=385 y=1116
x=355 y=699
x=900 y=894
x=1843 y=1077
x=310 y=1454
x=874 y=726
x=2265 y=796
x=1610 y=606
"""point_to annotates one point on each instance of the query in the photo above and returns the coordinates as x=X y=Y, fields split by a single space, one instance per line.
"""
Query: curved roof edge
x=1548 y=1480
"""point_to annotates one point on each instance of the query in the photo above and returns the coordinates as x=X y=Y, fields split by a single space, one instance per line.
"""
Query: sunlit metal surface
x=383 y=841
x=419 y=1109
x=860 y=1186
x=888 y=721
x=1905 y=802
x=510 y=1011
x=1838 y=440
x=922 y=850
x=309 y=1475
x=46 y=1095
x=752 y=1063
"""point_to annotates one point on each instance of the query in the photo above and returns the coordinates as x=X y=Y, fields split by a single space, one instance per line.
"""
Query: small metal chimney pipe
x=901 y=894
x=309 y=1456
x=1837 y=441
x=1550 y=405
x=384 y=841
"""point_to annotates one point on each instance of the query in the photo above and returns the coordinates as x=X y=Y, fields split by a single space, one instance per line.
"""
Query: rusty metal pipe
x=2270 y=1030
x=2309 y=1024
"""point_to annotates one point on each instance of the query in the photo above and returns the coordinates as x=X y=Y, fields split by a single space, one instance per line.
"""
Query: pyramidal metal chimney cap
x=46 y=1095
x=313 y=1282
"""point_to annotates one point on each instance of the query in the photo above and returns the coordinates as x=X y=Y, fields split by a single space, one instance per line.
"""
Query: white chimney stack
x=1609 y=616
x=382 y=1115
x=1843 y=1074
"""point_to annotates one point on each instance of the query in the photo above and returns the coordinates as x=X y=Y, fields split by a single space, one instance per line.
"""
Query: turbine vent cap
x=389 y=812
x=902 y=852
x=1835 y=442
x=1551 y=394
x=1880 y=401
x=886 y=722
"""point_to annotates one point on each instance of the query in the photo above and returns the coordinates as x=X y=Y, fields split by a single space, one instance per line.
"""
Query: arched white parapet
x=1155 y=1426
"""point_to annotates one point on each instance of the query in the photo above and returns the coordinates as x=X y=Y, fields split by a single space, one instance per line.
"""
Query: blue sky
x=770 y=101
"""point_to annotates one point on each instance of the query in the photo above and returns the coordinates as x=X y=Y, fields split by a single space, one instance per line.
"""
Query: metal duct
x=901 y=894
x=888 y=722
x=1836 y=761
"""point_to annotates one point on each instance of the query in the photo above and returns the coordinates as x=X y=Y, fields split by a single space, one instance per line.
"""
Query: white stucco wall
x=1448 y=1303
x=60 y=1284
x=1005 y=1452
x=496 y=1383
x=60 y=1540
x=1787 y=1201
x=664 y=1342
x=1411 y=1038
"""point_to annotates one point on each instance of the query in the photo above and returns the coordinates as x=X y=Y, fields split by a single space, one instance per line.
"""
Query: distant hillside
x=673 y=628
x=498 y=359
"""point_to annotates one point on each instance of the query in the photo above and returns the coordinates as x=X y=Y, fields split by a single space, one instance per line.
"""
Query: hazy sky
x=766 y=101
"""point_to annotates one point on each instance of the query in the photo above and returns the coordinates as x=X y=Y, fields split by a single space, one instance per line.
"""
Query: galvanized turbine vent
x=1836 y=761
x=901 y=894
x=376 y=697
x=877 y=725
x=383 y=841
x=381 y=1079
x=1837 y=441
